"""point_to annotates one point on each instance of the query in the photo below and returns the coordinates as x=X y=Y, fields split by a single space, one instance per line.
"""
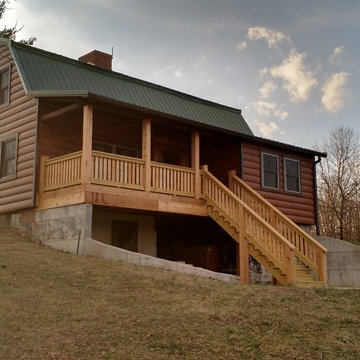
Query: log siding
x=299 y=207
x=18 y=119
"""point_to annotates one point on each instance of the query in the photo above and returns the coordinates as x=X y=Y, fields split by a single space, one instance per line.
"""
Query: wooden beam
x=86 y=163
x=243 y=249
x=195 y=161
x=59 y=112
x=146 y=152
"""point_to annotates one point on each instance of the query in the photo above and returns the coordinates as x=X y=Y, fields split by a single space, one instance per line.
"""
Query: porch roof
x=45 y=74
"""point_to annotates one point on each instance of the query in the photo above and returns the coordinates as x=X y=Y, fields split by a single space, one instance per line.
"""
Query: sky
x=291 y=66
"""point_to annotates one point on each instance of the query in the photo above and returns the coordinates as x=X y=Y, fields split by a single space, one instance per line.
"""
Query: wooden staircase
x=291 y=255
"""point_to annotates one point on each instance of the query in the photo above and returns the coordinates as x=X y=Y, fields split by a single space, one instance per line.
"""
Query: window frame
x=263 y=172
x=8 y=69
x=5 y=139
x=114 y=148
x=285 y=175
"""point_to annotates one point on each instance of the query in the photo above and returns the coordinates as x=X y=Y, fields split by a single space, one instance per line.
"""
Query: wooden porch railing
x=257 y=231
x=307 y=249
x=61 y=172
x=117 y=171
x=172 y=179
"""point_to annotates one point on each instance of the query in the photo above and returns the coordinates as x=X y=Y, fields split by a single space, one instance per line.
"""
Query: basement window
x=269 y=171
x=8 y=154
x=4 y=86
x=292 y=175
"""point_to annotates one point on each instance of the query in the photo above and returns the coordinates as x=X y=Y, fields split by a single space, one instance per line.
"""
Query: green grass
x=58 y=306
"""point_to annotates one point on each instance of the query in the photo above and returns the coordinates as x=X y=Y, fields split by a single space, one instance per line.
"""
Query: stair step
x=309 y=284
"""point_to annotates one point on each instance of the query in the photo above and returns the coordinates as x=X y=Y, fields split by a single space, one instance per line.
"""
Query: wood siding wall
x=221 y=158
x=299 y=208
x=19 y=117
x=60 y=136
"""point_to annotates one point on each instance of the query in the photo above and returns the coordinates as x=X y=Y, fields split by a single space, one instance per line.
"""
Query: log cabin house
x=149 y=169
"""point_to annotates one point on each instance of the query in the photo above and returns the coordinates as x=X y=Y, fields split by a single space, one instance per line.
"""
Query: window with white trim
x=4 y=86
x=292 y=175
x=8 y=155
x=270 y=171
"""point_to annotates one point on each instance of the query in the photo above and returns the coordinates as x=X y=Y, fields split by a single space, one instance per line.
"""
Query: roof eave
x=55 y=93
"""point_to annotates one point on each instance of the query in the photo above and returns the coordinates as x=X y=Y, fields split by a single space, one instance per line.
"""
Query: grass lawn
x=58 y=306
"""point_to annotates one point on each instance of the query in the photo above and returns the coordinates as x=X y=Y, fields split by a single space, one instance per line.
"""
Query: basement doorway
x=198 y=241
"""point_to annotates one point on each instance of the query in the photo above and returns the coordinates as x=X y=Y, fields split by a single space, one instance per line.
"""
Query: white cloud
x=336 y=54
x=73 y=39
x=335 y=92
x=168 y=71
x=266 y=129
x=281 y=114
x=272 y=37
x=297 y=79
x=178 y=73
x=241 y=45
x=267 y=89
x=202 y=61
x=265 y=108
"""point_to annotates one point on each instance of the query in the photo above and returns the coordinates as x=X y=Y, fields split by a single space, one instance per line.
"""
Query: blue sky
x=292 y=67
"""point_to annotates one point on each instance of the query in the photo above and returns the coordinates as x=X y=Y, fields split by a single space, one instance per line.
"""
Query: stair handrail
x=289 y=268
x=320 y=266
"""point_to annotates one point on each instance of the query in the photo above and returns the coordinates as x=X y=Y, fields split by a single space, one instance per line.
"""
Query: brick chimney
x=97 y=58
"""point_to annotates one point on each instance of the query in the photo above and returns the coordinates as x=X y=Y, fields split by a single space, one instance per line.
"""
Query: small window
x=270 y=171
x=4 y=86
x=292 y=175
x=8 y=151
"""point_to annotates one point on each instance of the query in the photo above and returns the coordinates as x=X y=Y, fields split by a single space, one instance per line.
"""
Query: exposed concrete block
x=63 y=223
x=343 y=262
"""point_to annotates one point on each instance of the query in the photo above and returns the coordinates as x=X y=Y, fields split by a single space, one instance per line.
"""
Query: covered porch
x=157 y=173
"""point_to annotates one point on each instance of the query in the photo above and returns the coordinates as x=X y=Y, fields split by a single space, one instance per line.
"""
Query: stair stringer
x=255 y=250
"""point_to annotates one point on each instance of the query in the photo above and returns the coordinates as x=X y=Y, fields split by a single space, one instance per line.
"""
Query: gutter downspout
x=317 y=222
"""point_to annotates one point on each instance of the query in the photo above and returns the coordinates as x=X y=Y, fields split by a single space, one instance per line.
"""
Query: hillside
x=58 y=306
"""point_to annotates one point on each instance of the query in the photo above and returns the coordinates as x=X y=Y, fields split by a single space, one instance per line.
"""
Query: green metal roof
x=47 y=74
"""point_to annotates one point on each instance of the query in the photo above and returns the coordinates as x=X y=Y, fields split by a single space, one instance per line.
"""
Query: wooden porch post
x=195 y=161
x=243 y=249
x=86 y=161
x=146 y=152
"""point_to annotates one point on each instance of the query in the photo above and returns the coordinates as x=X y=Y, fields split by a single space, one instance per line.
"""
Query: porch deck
x=121 y=181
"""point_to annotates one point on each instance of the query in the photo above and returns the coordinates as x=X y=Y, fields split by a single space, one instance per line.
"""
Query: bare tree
x=11 y=32
x=339 y=185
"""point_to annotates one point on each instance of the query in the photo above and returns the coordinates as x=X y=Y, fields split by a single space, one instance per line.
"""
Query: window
x=115 y=149
x=5 y=84
x=8 y=151
x=292 y=175
x=270 y=171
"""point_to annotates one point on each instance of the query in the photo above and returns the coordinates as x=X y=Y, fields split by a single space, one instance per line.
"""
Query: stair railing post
x=205 y=190
x=322 y=266
x=243 y=247
x=231 y=175
x=290 y=265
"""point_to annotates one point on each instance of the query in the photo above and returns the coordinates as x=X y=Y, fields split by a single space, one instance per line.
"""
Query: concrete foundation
x=23 y=220
x=343 y=262
x=63 y=226
x=92 y=247
x=146 y=237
